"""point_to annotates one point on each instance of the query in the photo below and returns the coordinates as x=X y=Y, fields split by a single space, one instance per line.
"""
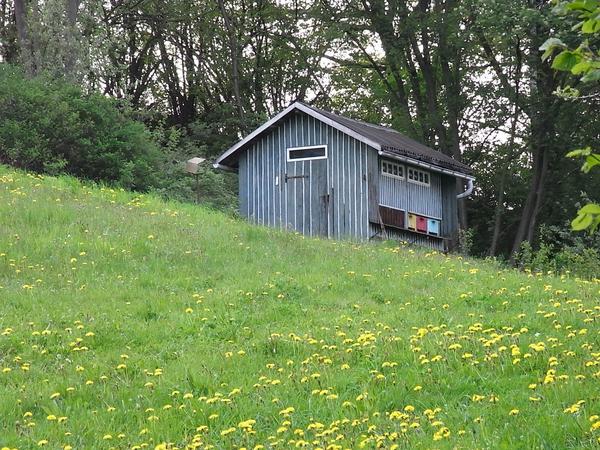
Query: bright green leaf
x=581 y=67
x=590 y=26
x=552 y=43
x=549 y=46
x=590 y=208
x=565 y=60
x=590 y=162
x=547 y=53
x=579 y=152
x=581 y=222
x=595 y=224
x=585 y=5
x=592 y=75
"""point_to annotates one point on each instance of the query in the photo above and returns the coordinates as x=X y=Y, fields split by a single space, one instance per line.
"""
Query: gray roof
x=384 y=139
x=393 y=141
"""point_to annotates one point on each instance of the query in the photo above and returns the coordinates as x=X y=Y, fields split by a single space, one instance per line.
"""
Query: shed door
x=307 y=192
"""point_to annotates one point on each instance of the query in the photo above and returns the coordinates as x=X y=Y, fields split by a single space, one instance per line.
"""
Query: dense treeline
x=463 y=76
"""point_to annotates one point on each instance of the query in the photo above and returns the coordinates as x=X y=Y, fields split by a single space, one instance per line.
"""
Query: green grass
x=163 y=324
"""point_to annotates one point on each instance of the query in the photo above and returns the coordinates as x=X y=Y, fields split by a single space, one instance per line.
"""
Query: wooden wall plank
x=352 y=178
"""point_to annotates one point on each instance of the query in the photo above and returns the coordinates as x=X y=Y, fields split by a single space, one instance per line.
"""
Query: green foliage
x=591 y=159
x=588 y=217
x=53 y=127
x=465 y=241
x=446 y=73
x=580 y=262
x=583 y=62
x=561 y=251
x=566 y=60
x=217 y=189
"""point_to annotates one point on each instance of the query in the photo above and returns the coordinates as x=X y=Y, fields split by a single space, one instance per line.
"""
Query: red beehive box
x=421 y=224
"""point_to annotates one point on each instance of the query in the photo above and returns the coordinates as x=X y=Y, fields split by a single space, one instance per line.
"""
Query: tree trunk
x=23 y=37
x=235 y=58
x=504 y=169
x=395 y=50
x=541 y=135
x=529 y=209
x=498 y=217
x=72 y=8
x=9 y=51
x=539 y=193
x=431 y=90
x=541 y=113
x=450 y=63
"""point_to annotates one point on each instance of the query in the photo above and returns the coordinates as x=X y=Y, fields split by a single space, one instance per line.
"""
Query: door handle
x=288 y=177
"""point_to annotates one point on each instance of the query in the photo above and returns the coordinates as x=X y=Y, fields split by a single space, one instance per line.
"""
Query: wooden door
x=307 y=197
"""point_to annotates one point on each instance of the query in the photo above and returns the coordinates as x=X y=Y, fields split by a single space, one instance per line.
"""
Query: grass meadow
x=129 y=322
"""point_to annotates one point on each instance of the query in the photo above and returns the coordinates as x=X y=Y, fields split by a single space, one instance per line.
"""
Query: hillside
x=127 y=322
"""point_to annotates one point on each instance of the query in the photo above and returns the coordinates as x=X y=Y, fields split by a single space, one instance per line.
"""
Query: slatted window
x=418 y=176
x=306 y=153
x=392 y=169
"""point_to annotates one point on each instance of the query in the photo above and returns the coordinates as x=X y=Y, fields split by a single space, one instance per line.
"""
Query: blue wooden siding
x=265 y=197
x=412 y=197
x=353 y=181
x=438 y=200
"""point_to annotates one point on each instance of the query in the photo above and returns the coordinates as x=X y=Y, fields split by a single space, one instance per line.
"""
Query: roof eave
x=219 y=163
x=429 y=166
x=301 y=107
x=224 y=167
x=252 y=135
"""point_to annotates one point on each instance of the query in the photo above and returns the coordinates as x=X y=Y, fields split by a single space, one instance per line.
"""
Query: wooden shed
x=322 y=174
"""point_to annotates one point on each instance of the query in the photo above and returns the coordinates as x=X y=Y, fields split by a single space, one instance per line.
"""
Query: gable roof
x=385 y=140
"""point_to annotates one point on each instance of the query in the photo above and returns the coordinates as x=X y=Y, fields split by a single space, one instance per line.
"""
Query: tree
x=48 y=37
x=583 y=62
x=421 y=66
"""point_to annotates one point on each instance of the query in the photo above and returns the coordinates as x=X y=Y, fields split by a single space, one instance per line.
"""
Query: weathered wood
x=336 y=196
x=392 y=217
x=449 y=223
x=373 y=186
x=416 y=198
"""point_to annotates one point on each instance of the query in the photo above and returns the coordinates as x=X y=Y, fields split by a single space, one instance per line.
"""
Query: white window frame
x=308 y=147
x=391 y=175
x=415 y=170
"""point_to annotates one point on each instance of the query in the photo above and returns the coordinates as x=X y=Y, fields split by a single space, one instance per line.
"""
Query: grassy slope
x=157 y=322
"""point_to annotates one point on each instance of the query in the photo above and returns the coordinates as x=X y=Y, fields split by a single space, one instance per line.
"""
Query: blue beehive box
x=433 y=227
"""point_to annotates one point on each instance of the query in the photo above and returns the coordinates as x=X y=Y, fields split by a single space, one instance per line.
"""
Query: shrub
x=52 y=127
x=213 y=188
x=562 y=251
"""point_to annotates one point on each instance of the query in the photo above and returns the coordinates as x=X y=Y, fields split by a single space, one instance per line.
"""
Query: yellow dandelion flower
x=227 y=431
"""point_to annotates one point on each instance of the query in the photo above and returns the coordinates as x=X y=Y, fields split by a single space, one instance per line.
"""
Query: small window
x=392 y=169
x=305 y=153
x=418 y=176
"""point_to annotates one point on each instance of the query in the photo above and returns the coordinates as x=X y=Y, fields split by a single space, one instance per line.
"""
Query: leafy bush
x=562 y=251
x=53 y=127
x=215 y=189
